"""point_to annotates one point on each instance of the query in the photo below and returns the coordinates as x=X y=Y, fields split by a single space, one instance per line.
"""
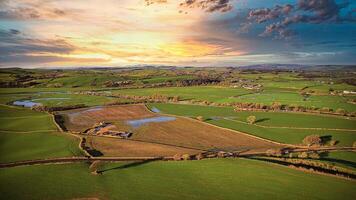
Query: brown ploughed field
x=166 y=138
x=131 y=148
x=81 y=119
x=195 y=134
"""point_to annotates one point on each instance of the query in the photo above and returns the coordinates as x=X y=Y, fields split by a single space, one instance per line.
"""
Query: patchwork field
x=167 y=129
x=281 y=127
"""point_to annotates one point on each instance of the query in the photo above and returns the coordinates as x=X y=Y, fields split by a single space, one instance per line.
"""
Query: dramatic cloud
x=127 y=32
x=206 y=5
x=305 y=11
x=14 y=10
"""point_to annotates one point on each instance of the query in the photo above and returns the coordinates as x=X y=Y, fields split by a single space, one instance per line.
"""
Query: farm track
x=167 y=158
x=297 y=128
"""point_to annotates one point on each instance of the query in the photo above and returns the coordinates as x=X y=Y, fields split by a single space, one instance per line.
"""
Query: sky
x=105 y=33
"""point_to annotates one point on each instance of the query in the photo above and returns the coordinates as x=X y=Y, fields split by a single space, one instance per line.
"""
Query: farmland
x=212 y=178
x=281 y=127
x=80 y=114
x=26 y=135
x=180 y=132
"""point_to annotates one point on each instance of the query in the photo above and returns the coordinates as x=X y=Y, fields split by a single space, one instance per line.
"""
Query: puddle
x=139 y=122
x=155 y=110
x=31 y=103
x=26 y=103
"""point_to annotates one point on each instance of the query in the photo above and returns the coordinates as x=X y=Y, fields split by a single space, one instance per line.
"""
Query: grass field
x=207 y=179
x=267 y=97
x=27 y=146
x=227 y=94
x=281 y=127
x=25 y=134
x=345 y=159
x=208 y=93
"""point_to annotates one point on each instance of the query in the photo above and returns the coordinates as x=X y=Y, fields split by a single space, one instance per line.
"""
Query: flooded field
x=139 y=122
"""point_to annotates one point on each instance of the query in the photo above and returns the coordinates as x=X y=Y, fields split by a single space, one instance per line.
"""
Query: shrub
x=221 y=154
x=303 y=155
x=186 y=157
x=251 y=119
x=314 y=155
x=199 y=156
x=311 y=140
x=354 y=144
x=333 y=142
x=200 y=118
x=177 y=157
x=340 y=111
x=274 y=152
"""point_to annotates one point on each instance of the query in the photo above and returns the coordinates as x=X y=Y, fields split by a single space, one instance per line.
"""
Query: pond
x=139 y=122
x=26 y=103
x=155 y=110
x=31 y=103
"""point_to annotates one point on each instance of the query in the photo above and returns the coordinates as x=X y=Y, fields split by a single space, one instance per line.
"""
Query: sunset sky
x=71 y=33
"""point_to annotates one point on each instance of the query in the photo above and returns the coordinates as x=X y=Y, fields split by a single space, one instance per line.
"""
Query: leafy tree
x=251 y=119
x=311 y=140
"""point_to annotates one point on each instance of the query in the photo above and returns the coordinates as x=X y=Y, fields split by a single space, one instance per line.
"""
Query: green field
x=58 y=98
x=206 y=179
x=281 y=127
x=230 y=95
x=204 y=93
x=26 y=134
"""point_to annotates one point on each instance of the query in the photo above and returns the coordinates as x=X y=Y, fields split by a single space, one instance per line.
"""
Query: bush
x=314 y=155
x=251 y=119
x=354 y=144
x=340 y=111
x=177 y=157
x=303 y=155
x=312 y=140
x=185 y=157
x=274 y=152
x=200 y=118
x=199 y=156
x=333 y=142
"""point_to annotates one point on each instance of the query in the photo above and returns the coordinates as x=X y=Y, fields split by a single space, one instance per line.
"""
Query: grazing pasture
x=26 y=134
x=204 y=93
x=205 y=179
